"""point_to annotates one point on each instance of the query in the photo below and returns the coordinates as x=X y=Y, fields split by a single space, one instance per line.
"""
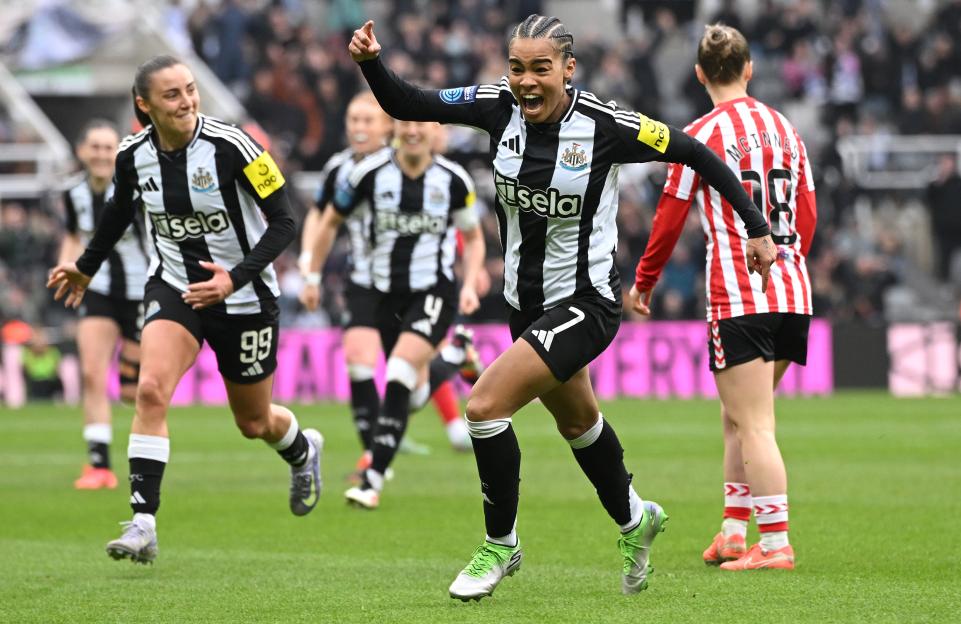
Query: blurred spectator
x=41 y=362
x=943 y=197
x=851 y=67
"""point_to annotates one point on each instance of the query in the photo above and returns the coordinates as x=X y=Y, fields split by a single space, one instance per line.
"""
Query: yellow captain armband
x=653 y=133
x=470 y=200
x=264 y=175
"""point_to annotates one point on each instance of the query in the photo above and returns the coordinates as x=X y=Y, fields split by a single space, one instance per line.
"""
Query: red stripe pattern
x=766 y=151
x=737 y=501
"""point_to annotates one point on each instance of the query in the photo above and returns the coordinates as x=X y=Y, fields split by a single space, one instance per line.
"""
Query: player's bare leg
x=258 y=418
x=96 y=341
x=168 y=350
x=750 y=407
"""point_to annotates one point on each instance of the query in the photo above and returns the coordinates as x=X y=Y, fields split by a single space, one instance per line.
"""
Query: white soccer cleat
x=138 y=542
x=487 y=568
x=305 y=481
x=364 y=498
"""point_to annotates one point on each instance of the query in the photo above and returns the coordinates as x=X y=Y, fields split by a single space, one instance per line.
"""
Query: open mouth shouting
x=532 y=104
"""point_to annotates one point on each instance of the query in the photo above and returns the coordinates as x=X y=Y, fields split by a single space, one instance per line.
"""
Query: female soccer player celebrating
x=206 y=188
x=754 y=333
x=555 y=151
x=412 y=202
x=112 y=311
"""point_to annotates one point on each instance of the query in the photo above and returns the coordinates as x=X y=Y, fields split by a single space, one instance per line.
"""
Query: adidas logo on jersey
x=178 y=228
x=149 y=185
x=513 y=144
x=549 y=203
x=411 y=224
x=253 y=370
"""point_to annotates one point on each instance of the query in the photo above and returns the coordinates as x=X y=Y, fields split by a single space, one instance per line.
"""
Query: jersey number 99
x=255 y=345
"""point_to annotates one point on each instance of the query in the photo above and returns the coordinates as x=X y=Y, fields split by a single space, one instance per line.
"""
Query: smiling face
x=172 y=101
x=538 y=76
x=415 y=138
x=98 y=152
x=367 y=126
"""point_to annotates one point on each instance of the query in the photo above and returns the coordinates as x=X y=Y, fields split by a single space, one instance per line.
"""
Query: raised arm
x=402 y=100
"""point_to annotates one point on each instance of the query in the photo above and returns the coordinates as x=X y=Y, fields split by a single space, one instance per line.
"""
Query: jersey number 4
x=255 y=345
x=782 y=230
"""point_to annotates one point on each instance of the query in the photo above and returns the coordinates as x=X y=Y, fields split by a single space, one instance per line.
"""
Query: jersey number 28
x=782 y=231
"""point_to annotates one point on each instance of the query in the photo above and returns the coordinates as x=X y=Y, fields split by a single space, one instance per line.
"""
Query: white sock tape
x=149 y=447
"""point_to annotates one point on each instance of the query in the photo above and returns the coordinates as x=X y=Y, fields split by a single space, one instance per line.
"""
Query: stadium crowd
x=840 y=68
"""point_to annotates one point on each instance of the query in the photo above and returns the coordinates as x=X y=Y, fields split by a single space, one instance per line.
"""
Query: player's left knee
x=401 y=371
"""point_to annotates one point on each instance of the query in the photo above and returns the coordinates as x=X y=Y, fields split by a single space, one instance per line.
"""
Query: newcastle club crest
x=574 y=159
x=202 y=181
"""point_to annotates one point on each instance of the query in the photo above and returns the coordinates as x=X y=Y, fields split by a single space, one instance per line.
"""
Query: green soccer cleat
x=488 y=567
x=635 y=546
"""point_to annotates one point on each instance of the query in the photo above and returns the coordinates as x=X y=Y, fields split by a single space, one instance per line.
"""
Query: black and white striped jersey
x=220 y=199
x=412 y=223
x=124 y=273
x=556 y=183
x=335 y=173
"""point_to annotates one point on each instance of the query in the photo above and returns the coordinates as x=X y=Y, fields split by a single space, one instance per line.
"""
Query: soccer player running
x=555 y=151
x=217 y=212
x=112 y=311
x=754 y=333
x=368 y=130
x=412 y=203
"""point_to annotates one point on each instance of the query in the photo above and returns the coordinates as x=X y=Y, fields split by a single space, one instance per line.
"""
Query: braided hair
x=543 y=27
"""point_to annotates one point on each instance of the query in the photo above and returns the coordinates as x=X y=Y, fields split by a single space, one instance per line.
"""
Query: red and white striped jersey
x=762 y=146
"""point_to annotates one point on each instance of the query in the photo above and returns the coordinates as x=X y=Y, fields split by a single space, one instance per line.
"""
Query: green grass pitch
x=875 y=508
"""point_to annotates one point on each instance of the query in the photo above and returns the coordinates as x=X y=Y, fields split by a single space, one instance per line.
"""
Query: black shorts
x=428 y=313
x=127 y=313
x=245 y=344
x=771 y=336
x=571 y=334
x=362 y=304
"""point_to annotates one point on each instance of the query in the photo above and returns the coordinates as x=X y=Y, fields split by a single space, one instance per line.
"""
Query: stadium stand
x=876 y=88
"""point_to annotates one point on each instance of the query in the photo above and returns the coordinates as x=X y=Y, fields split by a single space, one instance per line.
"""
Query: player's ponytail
x=543 y=27
x=141 y=82
x=722 y=54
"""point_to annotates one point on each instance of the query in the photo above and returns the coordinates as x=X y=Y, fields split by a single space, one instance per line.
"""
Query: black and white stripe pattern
x=557 y=200
x=197 y=208
x=124 y=273
x=335 y=173
x=412 y=235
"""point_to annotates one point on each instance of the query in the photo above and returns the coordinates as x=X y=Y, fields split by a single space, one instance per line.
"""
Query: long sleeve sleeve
x=471 y=106
x=280 y=232
x=646 y=139
x=117 y=215
x=700 y=158
x=666 y=230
